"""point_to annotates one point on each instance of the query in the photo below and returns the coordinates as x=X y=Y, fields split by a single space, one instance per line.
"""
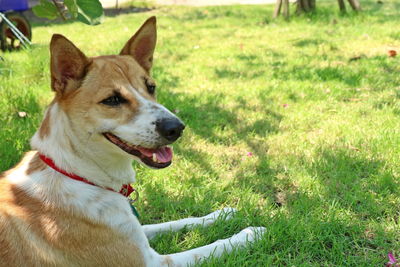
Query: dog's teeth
x=154 y=157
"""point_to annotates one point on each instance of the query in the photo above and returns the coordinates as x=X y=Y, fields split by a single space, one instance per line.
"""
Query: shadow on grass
x=354 y=181
x=348 y=180
x=313 y=73
x=216 y=12
x=226 y=73
x=208 y=118
x=337 y=170
x=391 y=10
x=308 y=42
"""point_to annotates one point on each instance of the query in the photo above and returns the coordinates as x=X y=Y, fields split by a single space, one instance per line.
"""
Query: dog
x=65 y=203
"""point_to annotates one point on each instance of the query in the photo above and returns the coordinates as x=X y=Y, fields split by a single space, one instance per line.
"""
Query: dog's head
x=110 y=101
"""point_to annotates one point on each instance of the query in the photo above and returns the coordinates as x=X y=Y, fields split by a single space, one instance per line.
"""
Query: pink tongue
x=163 y=154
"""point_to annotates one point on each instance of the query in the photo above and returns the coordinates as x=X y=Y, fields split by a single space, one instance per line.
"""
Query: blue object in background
x=14 y=5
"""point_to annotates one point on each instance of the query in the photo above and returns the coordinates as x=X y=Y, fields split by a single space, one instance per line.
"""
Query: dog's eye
x=113 y=101
x=151 y=88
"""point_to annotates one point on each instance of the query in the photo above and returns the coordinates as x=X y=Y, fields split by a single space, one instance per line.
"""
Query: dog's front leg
x=151 y=230
x=196 y=255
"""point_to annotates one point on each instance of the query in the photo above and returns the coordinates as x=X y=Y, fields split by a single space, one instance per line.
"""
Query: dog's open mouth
x=153 y=157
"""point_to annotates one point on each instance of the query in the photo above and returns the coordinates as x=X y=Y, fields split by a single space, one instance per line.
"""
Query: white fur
x=109 y=167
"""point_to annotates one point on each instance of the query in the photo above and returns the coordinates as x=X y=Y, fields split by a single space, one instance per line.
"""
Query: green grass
x=324 y=131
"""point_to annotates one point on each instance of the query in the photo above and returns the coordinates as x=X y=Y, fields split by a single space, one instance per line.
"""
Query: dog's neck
x=58 y=140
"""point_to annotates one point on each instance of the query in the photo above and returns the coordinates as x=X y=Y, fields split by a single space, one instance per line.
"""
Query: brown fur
x=35 y=234
x=142 y=48
x=35 y=164
x=44 y=130
x=96 y=87
x=67 y=64
x=167 y=261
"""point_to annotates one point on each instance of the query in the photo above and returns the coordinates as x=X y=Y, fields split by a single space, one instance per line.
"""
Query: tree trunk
x=302 y=6
x=286 y=8
x=299 y=7
x=306 y=6
x=342 y=6
x=312 y=5
x=355 y=4
x=278 y=6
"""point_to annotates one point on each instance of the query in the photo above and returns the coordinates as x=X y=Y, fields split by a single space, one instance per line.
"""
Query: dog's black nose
x=170 y=129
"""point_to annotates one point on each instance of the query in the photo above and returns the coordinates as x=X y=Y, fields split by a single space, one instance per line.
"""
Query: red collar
x=126 y=189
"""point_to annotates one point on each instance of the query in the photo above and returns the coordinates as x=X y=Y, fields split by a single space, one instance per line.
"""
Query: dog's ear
x=141 y=46
x=67 y=64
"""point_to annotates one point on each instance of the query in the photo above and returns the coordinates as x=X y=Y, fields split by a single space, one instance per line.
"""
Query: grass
x=324 y=132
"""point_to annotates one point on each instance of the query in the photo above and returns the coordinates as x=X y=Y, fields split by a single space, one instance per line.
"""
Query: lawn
x=281 y=124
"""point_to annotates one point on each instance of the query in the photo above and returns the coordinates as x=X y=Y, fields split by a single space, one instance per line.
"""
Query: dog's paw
x=247 y=235
x=225 y=214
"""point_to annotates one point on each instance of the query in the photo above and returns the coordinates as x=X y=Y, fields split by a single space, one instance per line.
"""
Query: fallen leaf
x=354 y=148
x=392 y=53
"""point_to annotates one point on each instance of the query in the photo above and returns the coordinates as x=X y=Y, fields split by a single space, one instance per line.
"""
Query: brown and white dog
x=103 y=116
